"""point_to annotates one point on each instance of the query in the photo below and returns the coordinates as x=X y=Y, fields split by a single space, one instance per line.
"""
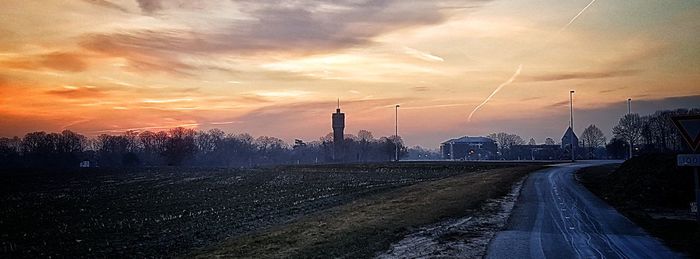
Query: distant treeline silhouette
x=649 y=134
x=188 y=147
x=653 y=133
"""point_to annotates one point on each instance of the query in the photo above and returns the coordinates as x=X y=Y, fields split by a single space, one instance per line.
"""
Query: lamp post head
x=572 y=91
x=397 y=106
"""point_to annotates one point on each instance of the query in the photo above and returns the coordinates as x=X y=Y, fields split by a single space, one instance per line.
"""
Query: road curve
x=557 y=217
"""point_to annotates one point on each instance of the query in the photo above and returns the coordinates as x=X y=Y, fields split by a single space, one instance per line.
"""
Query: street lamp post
x=629 y=111
x=396 y=124
x=571 y=105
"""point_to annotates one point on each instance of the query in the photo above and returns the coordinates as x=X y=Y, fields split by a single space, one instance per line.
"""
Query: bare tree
x=506 y=141
x=629 y=128
x=592 y=137
x=365 y=135
x=532 y=142
x=180 y=146
x=549 y=141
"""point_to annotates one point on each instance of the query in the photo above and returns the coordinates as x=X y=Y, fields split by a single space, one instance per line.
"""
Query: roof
x=569 y=132
x=467 y=139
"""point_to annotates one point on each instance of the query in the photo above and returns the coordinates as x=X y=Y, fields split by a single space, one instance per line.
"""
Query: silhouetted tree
x=592 y=138
x=549 y=141
x=112 y=150
x=10 y=152
x=629 y=128
x=180 y=146
x=658 y=133
x=506 y=141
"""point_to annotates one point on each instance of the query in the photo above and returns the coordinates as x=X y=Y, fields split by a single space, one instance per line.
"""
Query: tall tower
x=338 y=135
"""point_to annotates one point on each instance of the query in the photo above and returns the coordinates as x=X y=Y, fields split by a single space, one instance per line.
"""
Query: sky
x=278 y=67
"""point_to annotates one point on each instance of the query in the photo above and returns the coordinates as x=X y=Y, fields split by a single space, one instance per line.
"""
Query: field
x=174 y=211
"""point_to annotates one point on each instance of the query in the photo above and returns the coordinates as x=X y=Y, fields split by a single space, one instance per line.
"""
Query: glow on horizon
x=245 y=66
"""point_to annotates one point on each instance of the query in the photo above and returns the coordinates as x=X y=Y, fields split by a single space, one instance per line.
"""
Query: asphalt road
x=557 y=217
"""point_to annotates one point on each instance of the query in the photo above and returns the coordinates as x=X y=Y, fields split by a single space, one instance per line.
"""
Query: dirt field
x=173 y=211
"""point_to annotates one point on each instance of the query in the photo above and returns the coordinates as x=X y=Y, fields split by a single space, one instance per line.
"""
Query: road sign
x=689 y=126
x=688 y=160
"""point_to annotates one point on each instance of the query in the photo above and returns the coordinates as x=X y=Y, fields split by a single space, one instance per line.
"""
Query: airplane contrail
x=510 y=80
x=517 y=72
x=577 y=15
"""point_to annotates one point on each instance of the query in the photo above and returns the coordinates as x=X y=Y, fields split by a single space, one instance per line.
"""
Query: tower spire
x=338 y=103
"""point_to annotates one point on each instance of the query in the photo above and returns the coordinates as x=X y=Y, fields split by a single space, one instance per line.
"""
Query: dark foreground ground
x=174 y=211
x=652 y=192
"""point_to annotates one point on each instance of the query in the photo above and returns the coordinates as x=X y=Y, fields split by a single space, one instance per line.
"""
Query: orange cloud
x=78 y=92
x=61 y=61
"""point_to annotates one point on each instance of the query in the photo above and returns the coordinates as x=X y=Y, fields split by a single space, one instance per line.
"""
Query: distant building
x=469 y=148
x=535 y=152
x=546 y=152
x=338 y=135
x=566 y=139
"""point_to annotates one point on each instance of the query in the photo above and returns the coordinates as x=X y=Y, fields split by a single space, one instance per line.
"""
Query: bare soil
x=166 y=212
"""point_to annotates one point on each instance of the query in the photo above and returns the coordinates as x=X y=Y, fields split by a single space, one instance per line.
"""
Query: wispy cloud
x=422 y=55
x=75 y=92
x=281 y=28
x=60 y=61
x=579 y=75
x=558 y=104
x=107 y=4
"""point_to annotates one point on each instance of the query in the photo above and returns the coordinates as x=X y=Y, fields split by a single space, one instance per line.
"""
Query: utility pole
x=571 y=105
x=396 y=123
x=629 y=111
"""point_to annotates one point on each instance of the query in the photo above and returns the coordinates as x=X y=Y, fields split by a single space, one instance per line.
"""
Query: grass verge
x=366 y=226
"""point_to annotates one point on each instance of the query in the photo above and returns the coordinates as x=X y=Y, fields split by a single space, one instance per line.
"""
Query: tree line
x=189 y=147
x=653 y=133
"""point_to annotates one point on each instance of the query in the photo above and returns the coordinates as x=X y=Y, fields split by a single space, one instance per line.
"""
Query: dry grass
x=368 y=225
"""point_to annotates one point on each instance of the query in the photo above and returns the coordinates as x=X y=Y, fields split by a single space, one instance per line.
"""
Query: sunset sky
x=277 y=67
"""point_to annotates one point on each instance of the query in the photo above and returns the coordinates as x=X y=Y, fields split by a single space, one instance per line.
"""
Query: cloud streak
x=60 y=61
x=77 y=92
x=107 y=4
x=422 y=55
x=288 y=29
x=580 y=75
